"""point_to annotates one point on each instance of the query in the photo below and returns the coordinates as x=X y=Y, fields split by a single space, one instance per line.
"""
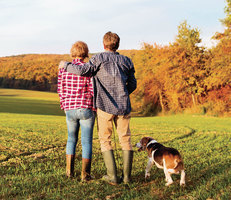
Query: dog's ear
x=145 y=141
x=149 y=152
x=150 y=139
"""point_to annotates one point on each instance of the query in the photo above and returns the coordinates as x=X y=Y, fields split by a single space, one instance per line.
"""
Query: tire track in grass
x=37 y=154
x=192 y=132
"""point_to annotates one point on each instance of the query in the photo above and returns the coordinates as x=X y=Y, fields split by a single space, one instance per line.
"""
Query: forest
x=183 y=76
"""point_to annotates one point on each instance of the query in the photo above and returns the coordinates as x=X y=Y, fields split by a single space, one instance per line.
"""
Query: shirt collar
x=76 y=60
x=113 y=52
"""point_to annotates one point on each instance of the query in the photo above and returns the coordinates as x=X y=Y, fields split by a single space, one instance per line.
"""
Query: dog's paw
x=182 y=184
x=168 y=183
x=147 y=175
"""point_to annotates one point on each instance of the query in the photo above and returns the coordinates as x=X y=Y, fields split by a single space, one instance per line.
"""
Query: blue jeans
x=84 y=118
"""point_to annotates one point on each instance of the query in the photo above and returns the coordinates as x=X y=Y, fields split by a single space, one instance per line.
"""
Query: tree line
x=183 y=76
x=31 y=71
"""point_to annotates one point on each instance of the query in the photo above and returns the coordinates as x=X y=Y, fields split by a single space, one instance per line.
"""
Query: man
x=114 y=80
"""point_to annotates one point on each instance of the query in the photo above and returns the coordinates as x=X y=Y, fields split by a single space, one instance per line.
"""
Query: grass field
x=32 y=154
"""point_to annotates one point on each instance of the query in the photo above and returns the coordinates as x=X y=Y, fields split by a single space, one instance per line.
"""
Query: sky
x=52 y=26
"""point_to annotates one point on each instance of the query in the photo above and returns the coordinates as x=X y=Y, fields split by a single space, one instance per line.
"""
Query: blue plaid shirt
x=113 y=78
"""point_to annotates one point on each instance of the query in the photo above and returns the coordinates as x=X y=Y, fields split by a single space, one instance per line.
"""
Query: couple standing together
x=103 y=85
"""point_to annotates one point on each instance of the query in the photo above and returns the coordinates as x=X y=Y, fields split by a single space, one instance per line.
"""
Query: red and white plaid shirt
x=75 y=91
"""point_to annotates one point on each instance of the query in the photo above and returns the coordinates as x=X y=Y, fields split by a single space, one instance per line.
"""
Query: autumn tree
x=218 y=82
x=220 y=62
x=186 y=68
x=35 y=72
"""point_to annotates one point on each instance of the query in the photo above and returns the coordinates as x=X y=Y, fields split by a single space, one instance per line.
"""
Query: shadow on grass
x=194 y=182
x=152 y=188
x=205 y=174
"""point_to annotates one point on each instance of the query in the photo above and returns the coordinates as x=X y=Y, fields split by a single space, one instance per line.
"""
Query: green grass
x=32 y=154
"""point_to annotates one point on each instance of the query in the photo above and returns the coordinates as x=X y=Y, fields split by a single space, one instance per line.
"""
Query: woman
x=76 y=99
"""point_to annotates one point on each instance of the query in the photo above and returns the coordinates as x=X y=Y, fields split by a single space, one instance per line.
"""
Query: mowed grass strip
x=29 y=102
x=32 y=155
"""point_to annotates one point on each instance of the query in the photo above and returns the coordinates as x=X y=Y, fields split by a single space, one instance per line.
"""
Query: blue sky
x=52 y=26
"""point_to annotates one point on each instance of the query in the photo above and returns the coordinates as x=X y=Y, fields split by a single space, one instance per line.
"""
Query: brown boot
x=70 y=160
x=86 y=170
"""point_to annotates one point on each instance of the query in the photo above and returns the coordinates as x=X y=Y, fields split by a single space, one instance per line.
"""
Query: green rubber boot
x=127 y=166
x=110 y=164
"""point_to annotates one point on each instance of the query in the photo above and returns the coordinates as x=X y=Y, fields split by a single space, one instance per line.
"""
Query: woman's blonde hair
x=79 y=49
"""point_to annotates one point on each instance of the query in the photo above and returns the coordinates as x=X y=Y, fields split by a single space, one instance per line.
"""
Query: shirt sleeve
x=131 y=82
x=60 y=88
x=86 y=69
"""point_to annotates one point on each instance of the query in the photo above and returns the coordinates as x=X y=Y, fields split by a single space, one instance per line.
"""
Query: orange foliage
x=171 y=78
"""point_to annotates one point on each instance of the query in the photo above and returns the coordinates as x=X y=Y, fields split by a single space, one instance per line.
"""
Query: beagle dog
x=165 y=158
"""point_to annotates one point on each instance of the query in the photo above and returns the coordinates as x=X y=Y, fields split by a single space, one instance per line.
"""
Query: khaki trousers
x=105 y=128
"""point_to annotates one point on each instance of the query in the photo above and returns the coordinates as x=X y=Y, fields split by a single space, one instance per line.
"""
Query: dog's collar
x=151 y=142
